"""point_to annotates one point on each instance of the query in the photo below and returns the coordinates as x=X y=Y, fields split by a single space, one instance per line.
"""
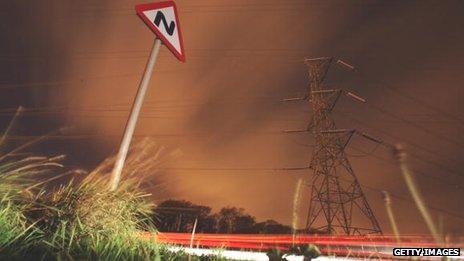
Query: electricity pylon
x=337 y=203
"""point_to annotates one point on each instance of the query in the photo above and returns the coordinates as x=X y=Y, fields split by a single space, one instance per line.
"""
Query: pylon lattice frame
x=336 y=196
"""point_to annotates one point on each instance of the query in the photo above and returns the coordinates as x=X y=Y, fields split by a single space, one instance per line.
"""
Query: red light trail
x=356 y=246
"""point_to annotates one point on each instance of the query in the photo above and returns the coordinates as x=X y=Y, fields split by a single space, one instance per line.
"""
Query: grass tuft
x=86 y=220
x=17 y=233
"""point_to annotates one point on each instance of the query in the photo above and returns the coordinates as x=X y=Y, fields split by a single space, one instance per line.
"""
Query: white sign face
x=162 y=18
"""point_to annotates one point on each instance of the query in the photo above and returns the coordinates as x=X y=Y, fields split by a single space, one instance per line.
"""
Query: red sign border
x=144 y=7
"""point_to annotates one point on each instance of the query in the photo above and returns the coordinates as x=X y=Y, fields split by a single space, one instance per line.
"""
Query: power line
x=421 y=128
x=404 y=198
x=96 y=135
x=150 y=106
x=415 y=125
x=146 y=52
x=188 y=9
x=455 y=142
x=431 y=176
x=426 y=105
x=409 y=142
x=371 y=154
x=142 y=54
x=236 y=169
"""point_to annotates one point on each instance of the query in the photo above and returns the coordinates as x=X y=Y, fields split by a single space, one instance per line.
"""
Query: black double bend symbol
x=161 y=18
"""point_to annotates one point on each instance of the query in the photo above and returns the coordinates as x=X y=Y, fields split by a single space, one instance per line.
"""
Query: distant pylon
x=337 y=202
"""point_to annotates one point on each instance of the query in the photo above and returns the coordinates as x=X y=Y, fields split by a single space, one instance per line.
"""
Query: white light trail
x=243 y=255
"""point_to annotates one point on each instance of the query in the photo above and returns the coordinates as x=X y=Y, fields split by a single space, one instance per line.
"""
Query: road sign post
x=132 y=122
x=162 y=18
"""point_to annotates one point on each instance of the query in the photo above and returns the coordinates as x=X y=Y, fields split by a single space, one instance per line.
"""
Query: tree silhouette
x=234 y=220
x=272 y=227
x=179 y=216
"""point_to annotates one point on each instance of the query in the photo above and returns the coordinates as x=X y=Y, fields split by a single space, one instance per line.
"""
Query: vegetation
x=227 y=220
x=79 y=219
x=16 y=232
x=87 y=221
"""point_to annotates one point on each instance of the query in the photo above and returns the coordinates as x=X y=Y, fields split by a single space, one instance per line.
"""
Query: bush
x=87 y=221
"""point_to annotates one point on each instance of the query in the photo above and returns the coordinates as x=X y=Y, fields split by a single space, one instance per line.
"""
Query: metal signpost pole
x=132 y=122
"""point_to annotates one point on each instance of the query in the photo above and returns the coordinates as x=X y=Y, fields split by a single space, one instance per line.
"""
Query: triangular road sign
x=163 y=20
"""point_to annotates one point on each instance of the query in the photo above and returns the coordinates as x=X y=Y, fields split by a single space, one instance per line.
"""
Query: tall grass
x=296 y=206
x=17 y=233
x=416 y=193
x=80 y=219
x=83 y=219
x=391 y=216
